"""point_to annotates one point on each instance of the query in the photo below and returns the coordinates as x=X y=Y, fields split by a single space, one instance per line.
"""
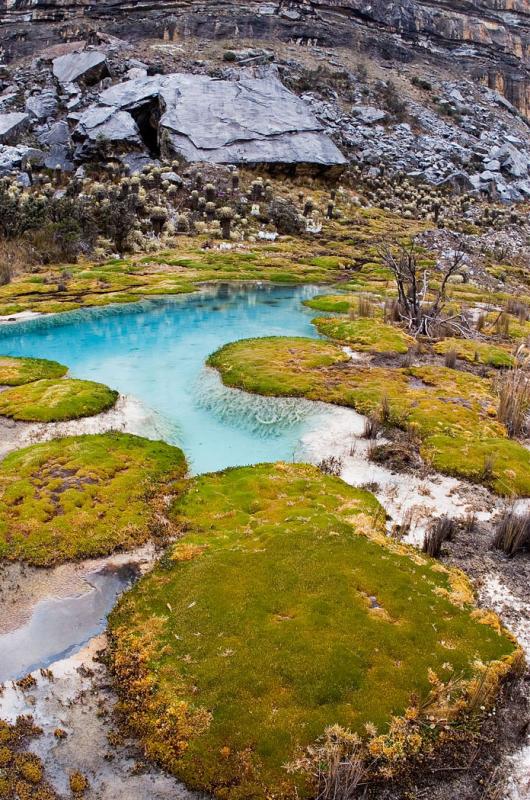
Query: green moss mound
x=365 y=334
x=476 y=352
x=342 y=303
x=17 y=371
x=56 y=400
x=453 y=413
x=282 y=611
x=83 y=496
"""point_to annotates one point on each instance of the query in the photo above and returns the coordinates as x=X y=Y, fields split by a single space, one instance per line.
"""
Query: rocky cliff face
x=490 y=37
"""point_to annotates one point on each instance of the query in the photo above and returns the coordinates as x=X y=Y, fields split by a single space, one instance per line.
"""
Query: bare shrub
x=15 y=256
x=450 y=358
x=286 y=217
x=420 y=307
x=512 y=533
x=513 y=389
x=340 y=766
x=331 y=465
x=439 y=531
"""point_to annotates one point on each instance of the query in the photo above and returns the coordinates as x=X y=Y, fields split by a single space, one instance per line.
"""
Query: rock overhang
x=248 y=121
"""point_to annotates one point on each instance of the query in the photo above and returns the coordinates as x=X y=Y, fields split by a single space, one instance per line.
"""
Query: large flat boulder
x=248 y=121
x=89 y=66
x=11 y=125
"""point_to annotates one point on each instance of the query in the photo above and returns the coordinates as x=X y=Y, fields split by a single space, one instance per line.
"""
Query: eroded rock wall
x=492 y=36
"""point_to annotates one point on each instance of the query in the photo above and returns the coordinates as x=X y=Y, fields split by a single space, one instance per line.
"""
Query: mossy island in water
x=283 y=617
x=17 y=371
x=56 y=400
x=452 y=413
x=85 y=496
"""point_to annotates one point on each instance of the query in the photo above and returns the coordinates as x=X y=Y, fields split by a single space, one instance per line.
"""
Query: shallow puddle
x=59 y=626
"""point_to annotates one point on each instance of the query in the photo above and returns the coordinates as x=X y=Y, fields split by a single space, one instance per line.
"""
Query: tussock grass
x=514 y=399
x=439 y=531
x=512 y=533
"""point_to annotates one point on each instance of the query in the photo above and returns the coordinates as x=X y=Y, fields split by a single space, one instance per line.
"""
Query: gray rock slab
x=108 y=123
x=59 y=133
x=253 y=120
x=59 y=158
x=514 y=160
x=42 y=106
x=89 y=65
x=11 y=125
x=368 y=115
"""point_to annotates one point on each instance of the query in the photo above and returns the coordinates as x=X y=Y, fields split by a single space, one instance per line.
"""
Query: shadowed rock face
x=495 y=33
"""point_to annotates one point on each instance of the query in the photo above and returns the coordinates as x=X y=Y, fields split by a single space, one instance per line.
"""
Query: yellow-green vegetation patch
x=284 y=610
x=56 y=400
x=452 y=412
x=17 y=371
x=476 y=352
x=84 y=496
x=341 y=304
x=365 y=334
x=21 y=772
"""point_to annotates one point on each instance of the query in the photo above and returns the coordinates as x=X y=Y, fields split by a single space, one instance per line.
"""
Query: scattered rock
x=368 y=115
x=89 y=66
x=104 y=128
x=11 y=126
x=42 y=106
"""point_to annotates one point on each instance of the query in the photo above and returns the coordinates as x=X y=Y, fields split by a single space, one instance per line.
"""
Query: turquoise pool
x=155 y=350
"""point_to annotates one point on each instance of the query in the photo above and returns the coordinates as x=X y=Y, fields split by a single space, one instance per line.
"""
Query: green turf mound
x=365 y=334
x=17 y=371
x=452 y=413
x=56 y=400
x=476 y=352
x=342 y=303
x=84 y=496
x=282 y=611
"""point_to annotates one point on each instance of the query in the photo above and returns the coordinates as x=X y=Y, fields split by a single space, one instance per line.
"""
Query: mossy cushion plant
x=17 y=371
x=56 y=400
x=452 y=412
x=476 y=352
x=84 y=496
x=341 y=303
x=365 y=334
x=282 y=611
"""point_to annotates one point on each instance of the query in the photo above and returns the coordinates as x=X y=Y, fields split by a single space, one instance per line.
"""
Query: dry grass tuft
x=450 y=359
x=513 y=389
x=439 y=531
x=512 y=534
